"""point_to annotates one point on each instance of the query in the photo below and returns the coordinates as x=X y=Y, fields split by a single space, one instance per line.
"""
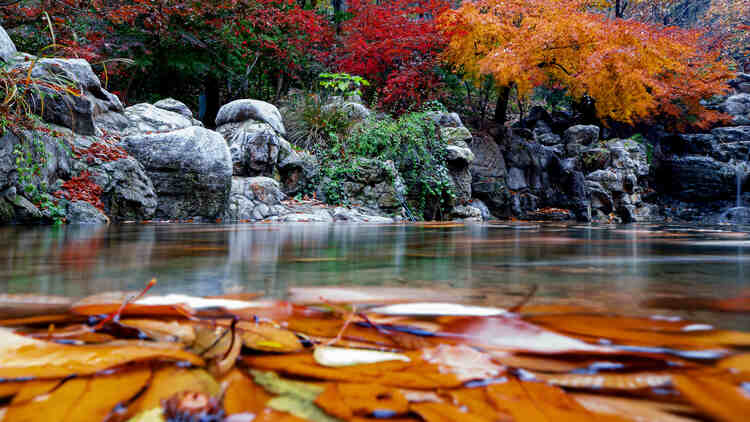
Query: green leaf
x=301 y=408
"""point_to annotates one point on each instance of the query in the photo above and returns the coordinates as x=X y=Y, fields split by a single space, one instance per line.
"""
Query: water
x=636 y=270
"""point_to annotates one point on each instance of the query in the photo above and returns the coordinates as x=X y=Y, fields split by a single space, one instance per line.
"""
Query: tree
x=395 y=45
x=630 y=70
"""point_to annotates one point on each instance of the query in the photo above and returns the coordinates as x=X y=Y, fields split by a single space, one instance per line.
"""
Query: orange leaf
x=345 y=400
x=714 y=397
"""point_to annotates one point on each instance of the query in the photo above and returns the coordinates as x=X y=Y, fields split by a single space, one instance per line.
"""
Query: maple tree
x=630 y=70
x=396 y=46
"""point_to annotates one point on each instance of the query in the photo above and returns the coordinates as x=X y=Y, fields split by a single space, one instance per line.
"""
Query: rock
x=7 y=48
x=170 y=104
x=25 y=211
x=454 y=135
x=355 y=216
x=299 y=170
x=253 y=198
x=536 y=115
x=191 y=170
x=353 y=110
x=483 y=209
x=732 y=134
x=698 y=178
x=600 y=198
x=141 y=119
x=543 y=134
x=458 y=156
x=488 y=171
x=608 y=179
x=241 y=110
x=445 y=119
x=255 y=149
x=581 y=135
x=76 y=112
x=35 y=148
x=629 y=156
x=516 y=179
x=737 y=106
x=319 y=217
x=371 y=184
x=81 y=212
x=465 y=212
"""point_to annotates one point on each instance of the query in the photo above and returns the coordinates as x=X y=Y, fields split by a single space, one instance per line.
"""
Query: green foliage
x=647 y=145
x=413 y=144
x=29 y=162
x=343 y=84
x=313 y=125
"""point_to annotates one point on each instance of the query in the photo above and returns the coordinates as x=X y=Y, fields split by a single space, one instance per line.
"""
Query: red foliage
x=82 y=188
x=395 y=45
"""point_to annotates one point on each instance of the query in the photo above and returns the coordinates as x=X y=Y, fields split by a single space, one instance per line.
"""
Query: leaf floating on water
x=153 y=415
x=163 y=331
x=104 y=393
x=444 y=412
x=714 y=397
x=51 y=407
x=267 y=337
x=739 y=362
x=634 y=409
x=169 y=381
x=301 y=408
x=339 y=356
x=22 y=357
x=462 y=361
x=510 y=333
x=437 y=309
x=242 y=395
x=611 y=381
x=346 y=400
x=274 y=384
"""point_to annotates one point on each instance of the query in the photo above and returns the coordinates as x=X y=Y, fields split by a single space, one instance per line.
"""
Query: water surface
x=624 y=269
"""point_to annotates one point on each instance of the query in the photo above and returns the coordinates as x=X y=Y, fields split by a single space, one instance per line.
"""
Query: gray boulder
x=445 y=119
x=242 y=110
x=737 y=106
x=7 y=48
x=299 y=171
x=143 y=118
x=81 y=212
x=191 y=170
x=76 y=112
x=699 y=178
x=578 y=136
x=453 y=135
x=255 y=149
x=170 y=104
x=254 y=198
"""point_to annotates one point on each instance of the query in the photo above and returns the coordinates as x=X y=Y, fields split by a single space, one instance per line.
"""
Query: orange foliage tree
x=631 y=70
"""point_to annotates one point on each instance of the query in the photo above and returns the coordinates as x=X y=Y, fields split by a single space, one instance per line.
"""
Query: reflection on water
x=617 y=269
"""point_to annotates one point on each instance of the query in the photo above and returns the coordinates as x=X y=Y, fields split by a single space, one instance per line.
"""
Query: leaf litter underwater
x=238 y=358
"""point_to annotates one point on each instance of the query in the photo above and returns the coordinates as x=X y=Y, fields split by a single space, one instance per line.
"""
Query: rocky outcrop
x=77 y=112
x=191 y=170
x=254 y=199
x=170 y=104
x=7 y=49
x=371 y=184
x=255 y=149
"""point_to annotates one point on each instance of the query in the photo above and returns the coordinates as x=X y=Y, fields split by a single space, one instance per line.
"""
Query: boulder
x=608 y=179
x=76 y=112
x=578 y=135
x=544 y=135
x=81 y=212
x=191 y=170
x=445 y=119
x=371 y=184
x=353 y=215
x=255 y=149
x=143 y=118
x=7 y=48
x=254 y=198
x=516 y=179
x=170 y=104
x=698 y=178
x=452 y=135
x=736 y=134
x=127 y=191
x=317 y=216
x=458 y=155
x=737 y=106
x=465 y=212
x=299 y=171
x=241 y=110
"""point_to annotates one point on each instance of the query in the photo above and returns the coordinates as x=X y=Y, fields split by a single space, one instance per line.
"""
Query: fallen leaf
x=634 y=409
x=346 y=400
x=22 y=357
x=173 y=331
x=267 y=337
x=339 y=356
x=714 y=397
x=168 y=381
x=242 y=395
x=437 y=308
x=444 y=412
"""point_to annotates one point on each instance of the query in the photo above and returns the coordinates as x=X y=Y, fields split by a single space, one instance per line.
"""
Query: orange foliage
x=632 y=70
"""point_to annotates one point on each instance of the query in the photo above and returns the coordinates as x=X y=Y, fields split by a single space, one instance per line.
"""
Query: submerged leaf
x=301 y=408
x=345 y=400
x=274 y=384
x=714 y=397
x=267 y=337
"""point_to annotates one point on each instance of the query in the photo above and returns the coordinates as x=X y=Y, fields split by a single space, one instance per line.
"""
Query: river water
x=634 y=270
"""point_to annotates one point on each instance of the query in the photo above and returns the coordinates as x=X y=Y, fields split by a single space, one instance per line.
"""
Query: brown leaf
x=444 y=412
x=173 y=331
x=715 y=397
x=633 y=409
x=267 y=337
x=345 y=400
x=22 y=357
x=242 y=395
x=168 y=381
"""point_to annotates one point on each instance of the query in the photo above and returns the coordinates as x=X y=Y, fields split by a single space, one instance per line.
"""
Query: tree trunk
x=501 y=108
